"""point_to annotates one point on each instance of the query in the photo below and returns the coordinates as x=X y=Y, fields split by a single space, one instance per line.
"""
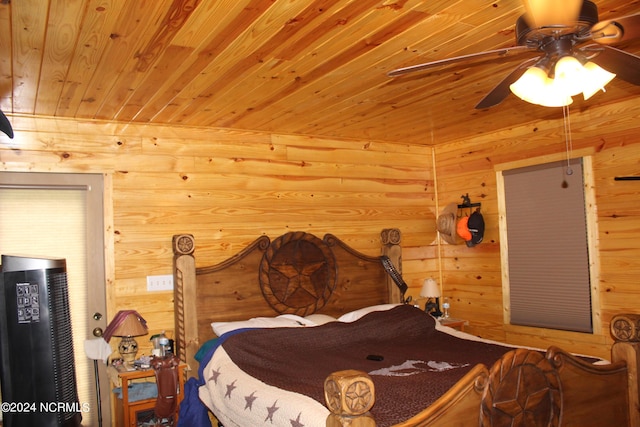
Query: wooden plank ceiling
x=290 y=66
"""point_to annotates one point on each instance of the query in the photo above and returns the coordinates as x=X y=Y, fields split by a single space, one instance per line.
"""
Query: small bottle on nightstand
x=445 y=307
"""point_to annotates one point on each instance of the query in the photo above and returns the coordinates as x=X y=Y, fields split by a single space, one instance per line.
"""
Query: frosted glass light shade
x=554 y=96
x=569 y=75
x=535 y=87
x=571 y=78
x=529 y=86
x=596 y=79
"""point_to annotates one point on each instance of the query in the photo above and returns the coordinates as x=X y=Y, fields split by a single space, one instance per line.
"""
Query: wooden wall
x=473 y=276
x=227 y=188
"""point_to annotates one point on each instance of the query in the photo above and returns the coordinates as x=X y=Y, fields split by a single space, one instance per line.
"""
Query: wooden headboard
x=294 y=273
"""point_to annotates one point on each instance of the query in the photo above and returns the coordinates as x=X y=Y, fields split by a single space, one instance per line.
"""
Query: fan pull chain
x=567 y=137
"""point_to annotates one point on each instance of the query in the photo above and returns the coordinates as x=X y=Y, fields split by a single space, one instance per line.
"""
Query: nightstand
x=458 y=324
x=132 y=414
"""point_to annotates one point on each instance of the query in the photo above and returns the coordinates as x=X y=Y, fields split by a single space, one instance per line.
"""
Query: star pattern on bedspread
x=271 y=410
x=230 y=388
x=249 y=400
x=299 y=277
x=214 y=376
x=296 y=422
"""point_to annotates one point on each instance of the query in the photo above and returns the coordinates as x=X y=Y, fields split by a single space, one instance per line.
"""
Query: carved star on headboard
x=298 y=273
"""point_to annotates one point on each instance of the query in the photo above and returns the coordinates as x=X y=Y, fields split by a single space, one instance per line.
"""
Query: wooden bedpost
x=184 y=283
x=625 y=329
x=390 y=239
x=349 y=395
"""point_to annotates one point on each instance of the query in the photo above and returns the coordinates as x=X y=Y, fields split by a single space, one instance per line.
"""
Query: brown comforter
x=419 y=363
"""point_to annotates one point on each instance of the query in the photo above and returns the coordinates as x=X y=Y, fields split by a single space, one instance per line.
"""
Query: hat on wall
x=446 y=223
x=475 y=224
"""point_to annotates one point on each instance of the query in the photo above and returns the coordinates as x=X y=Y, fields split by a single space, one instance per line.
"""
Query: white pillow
x=295 y=321
x=356 y=314
x=284 y=321
x=320 y=319
x=300 y=321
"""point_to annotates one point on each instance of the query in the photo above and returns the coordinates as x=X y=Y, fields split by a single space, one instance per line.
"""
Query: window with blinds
x=547 y=246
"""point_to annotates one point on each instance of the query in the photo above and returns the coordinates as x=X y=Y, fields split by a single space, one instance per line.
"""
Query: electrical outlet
x=160 y=283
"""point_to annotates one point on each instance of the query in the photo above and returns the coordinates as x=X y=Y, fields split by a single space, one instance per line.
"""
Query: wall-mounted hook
x=466 y=202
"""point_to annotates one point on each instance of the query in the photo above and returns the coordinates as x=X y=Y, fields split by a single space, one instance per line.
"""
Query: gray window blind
x=547 y=242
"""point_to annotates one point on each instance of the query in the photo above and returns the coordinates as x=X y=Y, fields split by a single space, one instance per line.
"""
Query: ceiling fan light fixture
x=596 y=78
x=535 y=87
x=557 y=29
x=553 y=96
x=569 y=75
x=530 y=86
x=557 y=101
x=5 y=125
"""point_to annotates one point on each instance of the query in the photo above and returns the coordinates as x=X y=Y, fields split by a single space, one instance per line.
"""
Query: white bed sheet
x=238 y=399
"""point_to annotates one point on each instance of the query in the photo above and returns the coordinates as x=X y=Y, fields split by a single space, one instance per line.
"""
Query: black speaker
x=36 y=345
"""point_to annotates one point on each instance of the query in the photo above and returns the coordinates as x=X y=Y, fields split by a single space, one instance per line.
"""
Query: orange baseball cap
x=463 y=228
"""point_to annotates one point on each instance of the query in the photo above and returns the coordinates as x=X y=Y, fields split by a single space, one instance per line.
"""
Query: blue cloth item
x=139 y=391
x=204 y=349
x=193 y=413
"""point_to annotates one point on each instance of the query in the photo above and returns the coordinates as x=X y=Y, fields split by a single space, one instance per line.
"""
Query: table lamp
x=127 y=324
x=431 y=291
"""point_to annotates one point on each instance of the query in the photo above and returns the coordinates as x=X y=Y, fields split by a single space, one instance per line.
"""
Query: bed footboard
x=530 y=388
x=625 y=329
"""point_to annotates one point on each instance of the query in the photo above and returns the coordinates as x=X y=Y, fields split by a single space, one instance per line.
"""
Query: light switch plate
x=160 y=283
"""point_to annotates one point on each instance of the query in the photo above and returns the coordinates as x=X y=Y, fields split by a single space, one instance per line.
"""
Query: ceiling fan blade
x=502 y=90
x=5 y=126
x=448 y=61
x=541 y=13
x=617 y=30
x=624 y=64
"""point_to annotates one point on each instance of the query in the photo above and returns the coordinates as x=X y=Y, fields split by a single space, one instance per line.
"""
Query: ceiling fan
x=558 y=29
x=5 y=126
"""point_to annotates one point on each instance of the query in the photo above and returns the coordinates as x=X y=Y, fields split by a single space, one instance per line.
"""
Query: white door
x=61 y=215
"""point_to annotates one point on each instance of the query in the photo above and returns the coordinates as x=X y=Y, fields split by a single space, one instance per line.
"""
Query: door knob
x=97 y=332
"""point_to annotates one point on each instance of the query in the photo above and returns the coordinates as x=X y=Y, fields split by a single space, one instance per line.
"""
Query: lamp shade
x=535 y=87
x=569 y=75
x=570 y=78
x=430 y=289
x=554 y=96
x=596 y=78
x=126 y=323
x=529 y=86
